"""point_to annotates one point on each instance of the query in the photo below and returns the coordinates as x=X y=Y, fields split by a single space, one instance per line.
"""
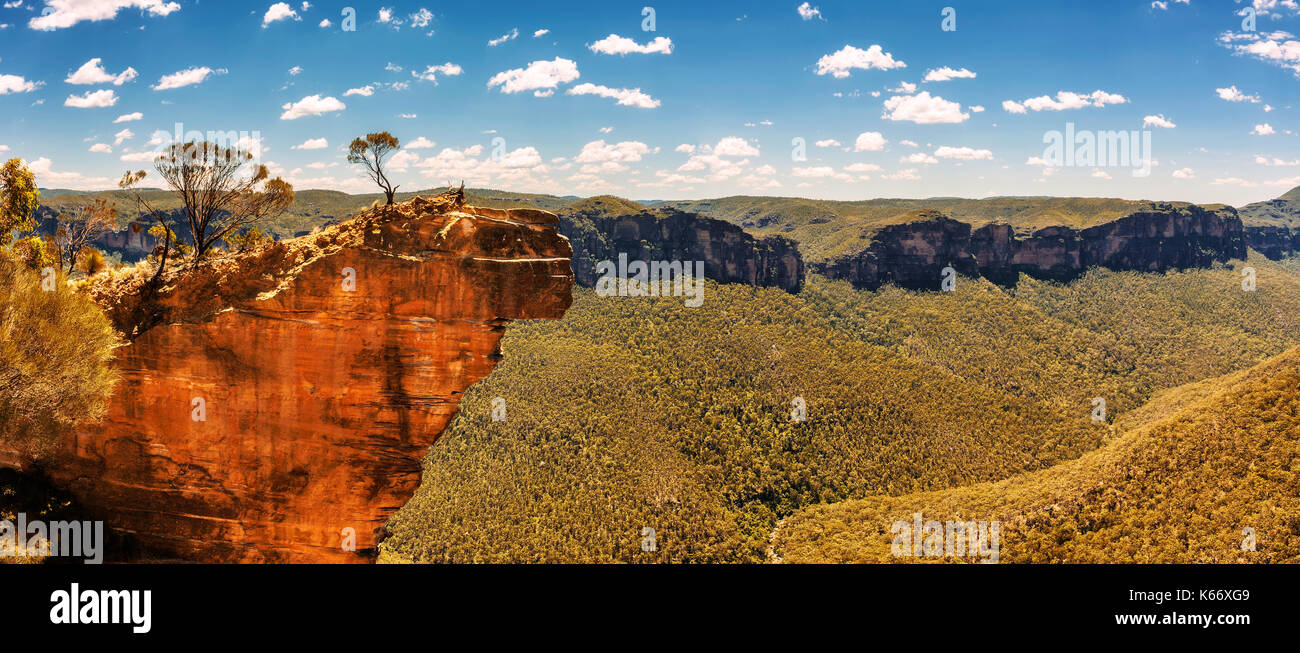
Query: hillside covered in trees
x=636 y=414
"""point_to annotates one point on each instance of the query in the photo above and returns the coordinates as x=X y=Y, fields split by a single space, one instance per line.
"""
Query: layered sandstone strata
x=274 y=404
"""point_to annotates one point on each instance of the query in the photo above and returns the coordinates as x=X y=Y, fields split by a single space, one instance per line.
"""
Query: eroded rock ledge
x=913 y=254
x=319 y=398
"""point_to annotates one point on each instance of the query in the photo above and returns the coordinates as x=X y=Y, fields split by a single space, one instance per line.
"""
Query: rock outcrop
x=274 y=404
x=730 y=254
x=1273 y=226
x=913 y=254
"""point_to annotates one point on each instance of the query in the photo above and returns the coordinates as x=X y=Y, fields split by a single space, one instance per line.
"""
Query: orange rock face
x=275 y=405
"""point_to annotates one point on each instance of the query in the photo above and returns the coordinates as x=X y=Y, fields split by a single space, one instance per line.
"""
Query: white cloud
x=923 y=109
x=944 y=74
x=421 y=18
x=830 y=142
x=513 y=34
x=92 y=72
x=809 y=12
x=903 y=175
x=1278 y=48
x=1098 y=173
x=537 y=77
x=963 y=153
x=1263 y=160
x=869 y=142
x=92 y=99
x=541 y=32
x=605 y=130
x=918 y=157
x=819 y=172
x=312 y=144
x=279 y=11
x=66 y=13
x=1263 y=130
x=906 y=88
x=364 y=91
x=848 y=58
x=431 y=73
x=44 y=170
x=685 y=148
x=101 y=148
x=615 y=44
x=1064 y=100
x=1157 y=120
x=618 y=153
x=1184 y=173
x=15 y=84
x=1233 y=94
x=123 y=136
x=862 y=167
x=734 y=146
x=630 y=97
x=295 y=71
x=325 y=23
x=312 y=105
x=187 y=77
x=976 y=108
x=420 y=143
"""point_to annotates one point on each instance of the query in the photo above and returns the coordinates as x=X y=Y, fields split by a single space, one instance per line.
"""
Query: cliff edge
x=274 y=406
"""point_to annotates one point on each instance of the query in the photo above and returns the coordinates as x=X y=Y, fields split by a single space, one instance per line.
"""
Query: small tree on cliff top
x=371 y=152
x=18 y=200
x=222 y=189
x=85 y=223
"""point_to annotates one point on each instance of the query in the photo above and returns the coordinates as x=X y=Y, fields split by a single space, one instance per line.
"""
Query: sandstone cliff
x=1273 y=226
x=913 y=253
x=602 y=228
x=271 y=401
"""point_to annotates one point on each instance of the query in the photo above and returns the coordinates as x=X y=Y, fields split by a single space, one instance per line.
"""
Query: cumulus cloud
x=279 y=11
x=101 y=148
x=123 y=136
x=364 y=91
x=16 y=84
x=848 y=58
x=66 y=13
x=1263 y=130
x=92 y=72
x=1064 y=100
x=1266 y=161
x=631 y=97
x=944 y=74
x=187 y=77
x=1184 y=173
x=431 y=73
x=541 y=32
x=962 y=153
x=808 y=12
x=312 y=144
x=918 y=157
x=510 y=36
x=869 y=142
x=830 y=142
x=92 y=99
x=1157 y=120
x=312 y=105
x=923 y=109
x=621 y=45
x=129 y=117
x=734 y=146
x=621 y=153
x=538 y=77
x=44 y=170
x=1233 y=94
x=1277 y=48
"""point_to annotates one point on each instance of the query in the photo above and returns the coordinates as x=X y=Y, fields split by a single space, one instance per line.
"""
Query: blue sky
x=710 y=103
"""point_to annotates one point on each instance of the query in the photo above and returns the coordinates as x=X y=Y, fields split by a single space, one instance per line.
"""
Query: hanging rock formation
x=275 y=404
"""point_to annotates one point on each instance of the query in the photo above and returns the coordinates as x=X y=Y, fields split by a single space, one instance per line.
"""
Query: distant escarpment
x=274 y=406
x=1273 y=226
x=602 y=228
x=914 y=252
